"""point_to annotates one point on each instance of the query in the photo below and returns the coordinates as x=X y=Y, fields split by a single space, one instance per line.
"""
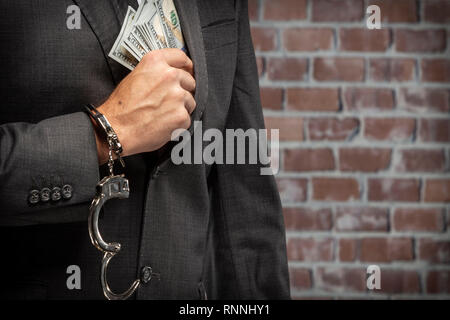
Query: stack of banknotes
x=155 y=25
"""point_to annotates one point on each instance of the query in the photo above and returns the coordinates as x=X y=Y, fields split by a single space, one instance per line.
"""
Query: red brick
x=420 y=40
x=347 y=249
x=272 y=98
x=335 y=189
x=307 y=219
x=418 y=219
x=437 y=190
x=291 y=129
x=300 y=278
x=392 y=129
x=437 y=11
x=424 y=99
x=361 y=219
x=384 y=69
x=400 y=281
x=292 y=190
x=364 y=159
x=337 y=10
x=313 y=99
x=253 y=8
x=284 y=10
x=310 y=249
x=434 y=130
x=260 y=64
x=339 y=69
x=264 y=39
x=421 y=160
x=438 y=281
x=386 y=250
x=356 y=39
x=397 y=10
x=434 y=251
x=387 y=189
x=308 y=39
x=308 y=159
x=287 y=68
x=436 y=70
x=333 y=129
x=340 y=279
x=368 y=98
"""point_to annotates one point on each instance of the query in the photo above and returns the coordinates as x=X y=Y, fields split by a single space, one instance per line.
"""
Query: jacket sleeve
x=56 y=152
x=249 y=228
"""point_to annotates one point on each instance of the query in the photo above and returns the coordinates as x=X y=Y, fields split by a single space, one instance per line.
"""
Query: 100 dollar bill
x=171 y=23
x=118 y=52
x=155 y=25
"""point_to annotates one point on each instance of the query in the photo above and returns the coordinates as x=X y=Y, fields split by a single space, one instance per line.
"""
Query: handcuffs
x=110 y=187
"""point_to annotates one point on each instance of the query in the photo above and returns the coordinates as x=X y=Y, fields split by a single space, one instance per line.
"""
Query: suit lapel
x=190 y=24
x=105 y=19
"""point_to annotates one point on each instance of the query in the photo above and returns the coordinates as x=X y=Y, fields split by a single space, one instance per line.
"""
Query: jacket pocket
x=220 y=35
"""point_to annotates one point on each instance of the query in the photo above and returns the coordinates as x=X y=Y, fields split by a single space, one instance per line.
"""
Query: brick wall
x=365 y=131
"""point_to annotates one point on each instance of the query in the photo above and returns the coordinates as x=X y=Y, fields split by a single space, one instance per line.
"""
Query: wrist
x=119 y=130
x=107 y=141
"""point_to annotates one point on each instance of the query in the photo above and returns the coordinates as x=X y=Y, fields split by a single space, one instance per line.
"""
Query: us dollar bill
x=155 y=30
x=155 y=25
x=170 y=22
x=141 y=38
x=136 y=46
x=144 y=14
x=118 y=52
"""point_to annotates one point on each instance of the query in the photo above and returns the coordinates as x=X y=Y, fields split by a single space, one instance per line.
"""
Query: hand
x=150 y=103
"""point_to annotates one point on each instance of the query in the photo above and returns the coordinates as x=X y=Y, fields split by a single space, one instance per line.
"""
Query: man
x=187 y=231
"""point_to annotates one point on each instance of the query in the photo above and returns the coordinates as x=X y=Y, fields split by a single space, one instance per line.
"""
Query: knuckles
x=181 y=118
x=171 y=74
x=150 y=58
x=194 y=104
x=179 y=93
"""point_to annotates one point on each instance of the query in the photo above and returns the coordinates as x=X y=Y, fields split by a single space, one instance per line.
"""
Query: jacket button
x=33 y=197
x=45 y=194
x=147 y=274
x=56 y=194
x=67 y=191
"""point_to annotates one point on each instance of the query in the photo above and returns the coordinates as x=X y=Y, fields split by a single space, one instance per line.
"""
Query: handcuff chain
x=110 y=157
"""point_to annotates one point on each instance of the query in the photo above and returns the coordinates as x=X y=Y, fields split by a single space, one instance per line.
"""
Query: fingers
x=187 y=81
x=178 y=59
x=189 y=102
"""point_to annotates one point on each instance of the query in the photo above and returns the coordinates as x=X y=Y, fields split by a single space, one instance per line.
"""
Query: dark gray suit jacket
x=209 y=230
